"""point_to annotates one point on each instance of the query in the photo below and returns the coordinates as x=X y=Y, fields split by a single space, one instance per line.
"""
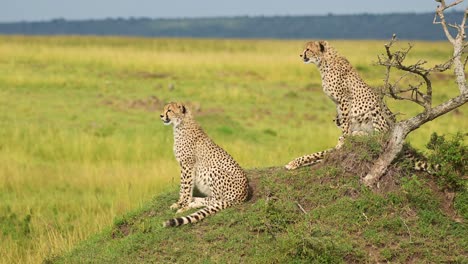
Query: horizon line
x=216 y=17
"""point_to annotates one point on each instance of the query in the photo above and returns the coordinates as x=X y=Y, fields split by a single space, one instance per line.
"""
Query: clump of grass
x=368 y=147
x=358 y=153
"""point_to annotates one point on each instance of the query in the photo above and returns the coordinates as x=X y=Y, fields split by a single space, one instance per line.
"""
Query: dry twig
x=302 y=209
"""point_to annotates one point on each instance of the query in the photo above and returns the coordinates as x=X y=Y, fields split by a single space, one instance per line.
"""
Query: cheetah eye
x=169 y=110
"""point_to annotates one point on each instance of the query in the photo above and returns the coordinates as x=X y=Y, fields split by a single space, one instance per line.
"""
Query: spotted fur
x=204 y=165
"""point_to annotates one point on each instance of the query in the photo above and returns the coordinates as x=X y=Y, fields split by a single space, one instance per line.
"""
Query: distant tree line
x=363 y=26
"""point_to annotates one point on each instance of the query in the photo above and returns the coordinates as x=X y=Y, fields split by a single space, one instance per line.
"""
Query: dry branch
x=395 y=60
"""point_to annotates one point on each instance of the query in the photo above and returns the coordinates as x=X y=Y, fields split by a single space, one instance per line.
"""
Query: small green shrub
x=450 y=155
x=17 y=227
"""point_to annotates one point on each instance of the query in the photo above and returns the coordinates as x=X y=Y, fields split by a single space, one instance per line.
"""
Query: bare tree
x=422 y=93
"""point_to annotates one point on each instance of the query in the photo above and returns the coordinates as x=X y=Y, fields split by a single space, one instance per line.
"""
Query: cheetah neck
x=324 y=65
x=183 y=124
x=186 y=128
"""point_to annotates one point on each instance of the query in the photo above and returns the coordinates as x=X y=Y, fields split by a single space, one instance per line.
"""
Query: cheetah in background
x=204 y=165
x=360 y=110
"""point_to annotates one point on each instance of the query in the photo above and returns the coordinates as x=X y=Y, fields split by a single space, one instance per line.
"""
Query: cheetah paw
x=174 y=206
x=359 y=133
x=340 y=142
x=196 y=204
x=181 y=210
x=290 y=166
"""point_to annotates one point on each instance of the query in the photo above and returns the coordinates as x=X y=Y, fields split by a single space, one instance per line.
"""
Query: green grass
x=81 y=142
x=343 y=222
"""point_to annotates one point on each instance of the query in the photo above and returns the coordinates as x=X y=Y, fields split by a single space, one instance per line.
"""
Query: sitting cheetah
x=204 y=165
x=359 y=108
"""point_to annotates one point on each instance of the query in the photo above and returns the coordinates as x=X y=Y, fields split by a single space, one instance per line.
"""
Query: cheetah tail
x=199 y=215
x=423 y=165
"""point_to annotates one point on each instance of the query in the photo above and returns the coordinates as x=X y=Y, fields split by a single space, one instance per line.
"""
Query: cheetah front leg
x=343 y=109
x=186 y=187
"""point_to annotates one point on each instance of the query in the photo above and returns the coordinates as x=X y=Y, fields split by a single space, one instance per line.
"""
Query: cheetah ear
x=323 y=44
x=183 y=109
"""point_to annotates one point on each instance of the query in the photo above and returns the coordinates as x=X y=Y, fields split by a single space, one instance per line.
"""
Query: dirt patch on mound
x=121 y=230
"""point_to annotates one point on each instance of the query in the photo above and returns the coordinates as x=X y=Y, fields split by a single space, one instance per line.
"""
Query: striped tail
x=423 y=165
x=199 y=215
x=420 y=163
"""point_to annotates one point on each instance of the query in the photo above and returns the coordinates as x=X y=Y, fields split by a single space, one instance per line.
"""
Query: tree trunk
x=393 y=147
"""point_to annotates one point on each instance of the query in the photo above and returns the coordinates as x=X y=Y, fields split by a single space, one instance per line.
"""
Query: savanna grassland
x=81 y=141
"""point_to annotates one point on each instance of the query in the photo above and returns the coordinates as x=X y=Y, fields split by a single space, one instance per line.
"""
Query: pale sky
x=39 y=10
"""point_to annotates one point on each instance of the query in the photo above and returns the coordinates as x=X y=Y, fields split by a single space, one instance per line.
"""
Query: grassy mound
x=318 y=214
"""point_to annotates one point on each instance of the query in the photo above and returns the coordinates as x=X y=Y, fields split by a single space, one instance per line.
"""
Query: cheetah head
x=314 y=51
x=173 y=113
